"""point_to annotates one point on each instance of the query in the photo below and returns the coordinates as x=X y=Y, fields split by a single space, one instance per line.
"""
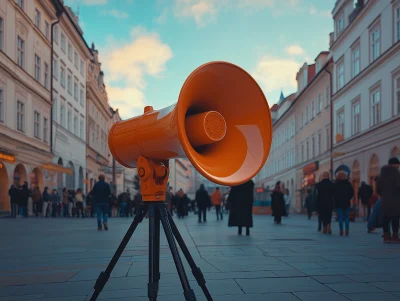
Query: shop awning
x=57 y=168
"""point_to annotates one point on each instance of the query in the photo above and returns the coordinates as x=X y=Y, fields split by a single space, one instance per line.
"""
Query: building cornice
x=97 y=98
x=67 y=23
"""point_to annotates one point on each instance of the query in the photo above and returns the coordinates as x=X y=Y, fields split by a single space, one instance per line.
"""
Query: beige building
x=98 y=122
x=313 y=130
x=366 y=86
x=25 y=103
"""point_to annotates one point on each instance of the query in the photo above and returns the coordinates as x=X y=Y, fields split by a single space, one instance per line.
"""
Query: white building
x=366 y=86
x=71 y=54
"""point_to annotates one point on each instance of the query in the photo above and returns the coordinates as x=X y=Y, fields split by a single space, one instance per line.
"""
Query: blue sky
x=149 y=47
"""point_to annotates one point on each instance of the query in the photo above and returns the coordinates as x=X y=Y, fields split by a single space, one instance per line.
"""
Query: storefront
x=262 y=201
x=308 y=181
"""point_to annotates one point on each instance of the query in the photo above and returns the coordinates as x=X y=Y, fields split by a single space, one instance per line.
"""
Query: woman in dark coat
x=202 y=200
x=240 y=202
x=277 y=203
x=343 y=194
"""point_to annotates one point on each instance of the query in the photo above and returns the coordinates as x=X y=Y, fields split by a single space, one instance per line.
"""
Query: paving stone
x=387 y=286
x=332 y=279
x=318 y=296
x=350 y=288
x=372 y=297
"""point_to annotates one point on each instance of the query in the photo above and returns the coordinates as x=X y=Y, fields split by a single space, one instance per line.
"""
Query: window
x=375 y=38
x=307 y=151
x=397 y=24
x=319 y=143
x=1 y=34
x=45 y=129
x=62 y=77
x=340 y=122
x=76 y=126
x=376 y=106
x=82 y=68
x=69 y=120
x=37 y=67
x=55 y=34
x=340 y=75
x=356 y=117
x=20 y=116
x=69 y=84
x=292 y=134
x=21 y=3
x=302 y=120
x=36 y=125
x=81 y=129
x=1 y=105
x=63 y=43
x=62 y=115
x=21 y=52
x=319 y=106
x=307 y=115
x=81 y=97
x=37 y=18
x=55 y=69
x=327 y=96
x=46 y=75
x=327 y=137
x=76 y=59
x=340 y=24
x=355 y=60
x=313 y=109
x=76 y=91
x=70 y=51
x=398 y=94
x=47 y=29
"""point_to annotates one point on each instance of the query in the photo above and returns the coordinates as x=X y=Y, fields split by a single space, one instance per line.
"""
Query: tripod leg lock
x=152 y=289
x=198 y=274
x=101 y=281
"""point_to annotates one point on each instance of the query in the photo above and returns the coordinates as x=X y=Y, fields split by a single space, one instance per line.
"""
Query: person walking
x=55 y=202
x=308 y=203
x=325 y=202
x=182 y=201
x=344 y=192
x=287 y=201
x=101 y=195
x=79 y=203
x=364 y=194
x=388 y=187
x=216 y=199
x=202 y=200
x=65 y=202
x=277 y=203
x=25 y=194
x=36 y=199
x=46 y=206
x=14 y=194
x=240 y=200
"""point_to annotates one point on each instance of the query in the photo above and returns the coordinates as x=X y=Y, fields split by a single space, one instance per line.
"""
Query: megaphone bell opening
x=205 y=128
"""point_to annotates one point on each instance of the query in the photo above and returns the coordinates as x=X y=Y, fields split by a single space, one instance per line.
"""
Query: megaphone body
x=221 y=123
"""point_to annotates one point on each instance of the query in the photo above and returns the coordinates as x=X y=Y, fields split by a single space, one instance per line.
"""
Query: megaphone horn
x=221 y=123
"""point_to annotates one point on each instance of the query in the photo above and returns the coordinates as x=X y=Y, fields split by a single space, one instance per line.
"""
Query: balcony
x=359 y=6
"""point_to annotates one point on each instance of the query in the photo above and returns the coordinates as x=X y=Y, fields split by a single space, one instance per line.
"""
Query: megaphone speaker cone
x=221 y=123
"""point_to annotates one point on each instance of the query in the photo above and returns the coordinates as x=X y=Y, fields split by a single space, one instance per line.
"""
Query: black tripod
x=157 y=212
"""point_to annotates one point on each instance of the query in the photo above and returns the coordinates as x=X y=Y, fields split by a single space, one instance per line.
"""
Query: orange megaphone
x=221 y=123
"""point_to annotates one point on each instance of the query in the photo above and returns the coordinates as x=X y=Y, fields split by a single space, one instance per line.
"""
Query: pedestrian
x=13 y=193
x=308 y=203
x=388 y=187
x=46 y=202
x=240 y=200
x=364 y=194
x=202 y=200
x=55 y=201
x=287 y=201
x=65 y=202
x=344 y=192
x=277 y=203
x=25 y=195
x=375 y=219
x=79 y=203
x=325 y=202
x=182 y=201
x=101 y=196
x=168 y=198
x=216 y=199
x=36 y=200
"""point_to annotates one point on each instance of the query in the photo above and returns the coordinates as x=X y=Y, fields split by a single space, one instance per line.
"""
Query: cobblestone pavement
x=60 y=259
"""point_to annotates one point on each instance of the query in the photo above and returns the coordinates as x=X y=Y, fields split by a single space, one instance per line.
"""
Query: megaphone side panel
x=231 y=91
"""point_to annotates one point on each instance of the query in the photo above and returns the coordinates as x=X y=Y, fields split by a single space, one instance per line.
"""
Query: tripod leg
x=195 y=269
x=187 y=291
x=152 y=286
x=104 y=276
x=157 y=243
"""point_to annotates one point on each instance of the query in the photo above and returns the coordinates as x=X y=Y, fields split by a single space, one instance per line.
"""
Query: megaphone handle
x=197 y=273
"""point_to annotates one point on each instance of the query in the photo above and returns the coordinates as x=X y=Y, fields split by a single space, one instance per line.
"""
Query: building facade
x=25 y=103
x=366 y=87
x=69 y=100
x=98 y=122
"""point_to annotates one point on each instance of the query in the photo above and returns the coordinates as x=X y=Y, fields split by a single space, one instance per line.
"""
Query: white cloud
x=118 y=14
x=294 y=50
x=314 y=12
x=88 y=2
x=127 y=66
x=162 y=19
x=274 y=73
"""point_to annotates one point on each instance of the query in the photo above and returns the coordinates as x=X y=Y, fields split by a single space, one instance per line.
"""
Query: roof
x=274 y=107
x=321 y=53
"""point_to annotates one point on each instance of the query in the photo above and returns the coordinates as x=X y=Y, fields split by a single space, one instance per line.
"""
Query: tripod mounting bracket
x=153 y=177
